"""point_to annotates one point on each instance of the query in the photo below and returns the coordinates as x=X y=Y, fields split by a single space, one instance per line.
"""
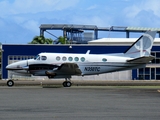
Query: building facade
x=13 y=53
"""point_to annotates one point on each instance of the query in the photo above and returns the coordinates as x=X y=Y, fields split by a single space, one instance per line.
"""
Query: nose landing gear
x=10 y=83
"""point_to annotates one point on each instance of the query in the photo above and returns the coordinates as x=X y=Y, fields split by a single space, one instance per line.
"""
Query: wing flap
x=144 y=59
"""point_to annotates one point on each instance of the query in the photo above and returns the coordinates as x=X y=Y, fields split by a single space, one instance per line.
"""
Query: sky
x=20 y=19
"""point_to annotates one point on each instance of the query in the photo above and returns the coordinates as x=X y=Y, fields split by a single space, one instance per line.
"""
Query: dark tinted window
x=44 y=58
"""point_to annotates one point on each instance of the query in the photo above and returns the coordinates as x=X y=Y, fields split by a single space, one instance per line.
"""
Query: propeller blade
x=26 y=67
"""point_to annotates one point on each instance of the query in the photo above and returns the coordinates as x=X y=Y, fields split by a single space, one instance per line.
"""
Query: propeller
x=26 y=67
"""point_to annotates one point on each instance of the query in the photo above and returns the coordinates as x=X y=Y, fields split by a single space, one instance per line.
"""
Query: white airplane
x=65 y=65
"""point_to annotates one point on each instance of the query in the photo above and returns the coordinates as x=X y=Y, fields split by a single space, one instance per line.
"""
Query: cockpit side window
x=43 y=58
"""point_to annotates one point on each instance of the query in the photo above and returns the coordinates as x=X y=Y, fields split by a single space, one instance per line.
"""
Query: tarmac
x=87 y=100
x=79 y=103
x=84 y=83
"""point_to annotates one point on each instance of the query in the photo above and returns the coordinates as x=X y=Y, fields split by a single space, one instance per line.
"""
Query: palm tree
x=62 y=40
x=41 y=40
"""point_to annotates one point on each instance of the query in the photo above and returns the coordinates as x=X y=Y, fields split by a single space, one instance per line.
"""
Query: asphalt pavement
x=80 y=103
x=84 y=82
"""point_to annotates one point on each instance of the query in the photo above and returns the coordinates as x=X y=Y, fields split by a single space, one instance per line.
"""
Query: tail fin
x=142 y=47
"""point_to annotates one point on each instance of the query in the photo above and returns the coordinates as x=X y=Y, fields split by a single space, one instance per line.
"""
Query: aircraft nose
x=17 y=65
x=8 y=67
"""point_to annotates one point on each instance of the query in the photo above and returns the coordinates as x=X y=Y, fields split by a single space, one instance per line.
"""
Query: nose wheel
x=10 y=83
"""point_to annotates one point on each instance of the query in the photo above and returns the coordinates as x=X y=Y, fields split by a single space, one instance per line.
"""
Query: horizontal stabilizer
x=144 y=59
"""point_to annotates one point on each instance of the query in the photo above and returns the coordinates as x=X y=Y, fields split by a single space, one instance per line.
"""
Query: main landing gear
x=67 y=83
x=10 y=83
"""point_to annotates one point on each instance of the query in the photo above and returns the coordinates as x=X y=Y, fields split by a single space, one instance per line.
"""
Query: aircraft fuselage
x=89 y=64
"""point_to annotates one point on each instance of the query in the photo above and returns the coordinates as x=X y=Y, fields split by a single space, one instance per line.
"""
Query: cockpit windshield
x=37 y=57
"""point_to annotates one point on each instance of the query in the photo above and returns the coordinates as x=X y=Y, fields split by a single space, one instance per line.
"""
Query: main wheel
x=67 y=84
x=10 y=83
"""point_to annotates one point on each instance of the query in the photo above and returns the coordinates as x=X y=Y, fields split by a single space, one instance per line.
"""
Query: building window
x=141 y=73
x=147 y=77
x=157 y=57
x=149 y=73
x=10 y=58
x=154 y=61
x=158 y=71
x=153 y=73
x=153 y=53
x=157 y=54
x=144 y=73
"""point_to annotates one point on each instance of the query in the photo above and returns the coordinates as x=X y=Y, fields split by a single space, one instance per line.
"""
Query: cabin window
x=104 y=59
x=70 y=58
x=82 y=59
x=64 y=58
x=58 y=58
x=43 y=58
x=76 y=58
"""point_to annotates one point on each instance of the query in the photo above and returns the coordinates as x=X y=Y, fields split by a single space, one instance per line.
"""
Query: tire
x=10 y=83
x=67 y=84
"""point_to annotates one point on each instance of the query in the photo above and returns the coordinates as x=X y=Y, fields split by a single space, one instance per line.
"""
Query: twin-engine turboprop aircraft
x=65 y=65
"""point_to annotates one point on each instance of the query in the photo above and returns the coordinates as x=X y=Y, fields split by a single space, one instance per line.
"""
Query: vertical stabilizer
x=142 y=47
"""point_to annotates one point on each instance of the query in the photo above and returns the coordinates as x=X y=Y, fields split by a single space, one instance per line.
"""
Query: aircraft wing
x=144 y=59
